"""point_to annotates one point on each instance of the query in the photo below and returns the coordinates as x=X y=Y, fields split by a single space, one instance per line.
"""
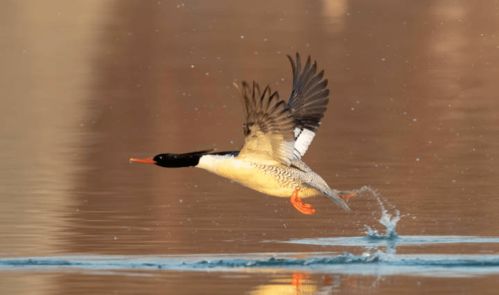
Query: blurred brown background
x=86 y=84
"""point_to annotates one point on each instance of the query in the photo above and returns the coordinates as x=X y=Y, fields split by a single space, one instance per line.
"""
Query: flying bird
x=277 y=136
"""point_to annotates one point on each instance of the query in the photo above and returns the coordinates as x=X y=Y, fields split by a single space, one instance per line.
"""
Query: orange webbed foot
x=346 y=196
x=297 y=202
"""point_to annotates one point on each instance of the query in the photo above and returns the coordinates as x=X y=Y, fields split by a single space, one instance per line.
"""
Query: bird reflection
x=297 y=284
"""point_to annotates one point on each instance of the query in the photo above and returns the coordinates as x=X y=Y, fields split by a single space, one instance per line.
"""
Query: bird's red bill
x=143 y=161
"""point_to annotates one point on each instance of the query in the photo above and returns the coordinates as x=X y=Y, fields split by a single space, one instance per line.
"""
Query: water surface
x=85 y=85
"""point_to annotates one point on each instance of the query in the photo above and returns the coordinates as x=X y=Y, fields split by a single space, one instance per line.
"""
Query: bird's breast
x=273 y=180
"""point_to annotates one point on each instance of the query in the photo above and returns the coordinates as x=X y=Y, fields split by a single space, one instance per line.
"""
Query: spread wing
x=307 y=103
x=269 y=125
x=282 y=132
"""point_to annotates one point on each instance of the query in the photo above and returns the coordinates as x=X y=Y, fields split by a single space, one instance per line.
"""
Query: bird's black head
x=177 y=160
x=173 y=160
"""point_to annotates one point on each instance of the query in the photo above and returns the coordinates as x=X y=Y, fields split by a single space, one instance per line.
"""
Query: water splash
x=372 y=262
x=389 y=238
x=387 y=220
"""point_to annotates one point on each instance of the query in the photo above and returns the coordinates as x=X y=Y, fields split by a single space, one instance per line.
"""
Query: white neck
x=213 y=162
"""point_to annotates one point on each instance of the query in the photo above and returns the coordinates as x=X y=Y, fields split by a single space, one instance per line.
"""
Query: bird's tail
x=319 y=184
x=334 y=196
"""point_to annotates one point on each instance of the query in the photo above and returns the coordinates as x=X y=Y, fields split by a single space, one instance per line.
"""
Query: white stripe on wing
x=303 y=141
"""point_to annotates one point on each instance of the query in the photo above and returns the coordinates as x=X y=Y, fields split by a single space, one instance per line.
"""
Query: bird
x=277 y=136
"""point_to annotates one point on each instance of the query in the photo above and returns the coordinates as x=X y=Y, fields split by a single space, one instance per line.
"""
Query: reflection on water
x=45 y=82
x=86 y=85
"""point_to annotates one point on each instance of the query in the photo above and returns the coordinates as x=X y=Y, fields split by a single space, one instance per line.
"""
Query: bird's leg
x=304 y=208
x=347 y=195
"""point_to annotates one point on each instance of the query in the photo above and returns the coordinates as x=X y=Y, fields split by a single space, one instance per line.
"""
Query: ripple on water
x=375 y=264
x=372 y=262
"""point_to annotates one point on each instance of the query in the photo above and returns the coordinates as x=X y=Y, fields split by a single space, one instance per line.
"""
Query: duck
x=277 y=136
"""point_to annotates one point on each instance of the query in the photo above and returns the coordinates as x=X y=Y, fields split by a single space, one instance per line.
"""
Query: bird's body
x=277 y=135
x=270 y=177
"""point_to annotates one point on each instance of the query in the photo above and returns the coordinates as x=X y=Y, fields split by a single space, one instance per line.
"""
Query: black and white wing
x=283 y=132
x=269 y=126
x=307 y=103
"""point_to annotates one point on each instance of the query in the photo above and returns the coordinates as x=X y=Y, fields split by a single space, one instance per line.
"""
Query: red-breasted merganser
x=277 y=136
